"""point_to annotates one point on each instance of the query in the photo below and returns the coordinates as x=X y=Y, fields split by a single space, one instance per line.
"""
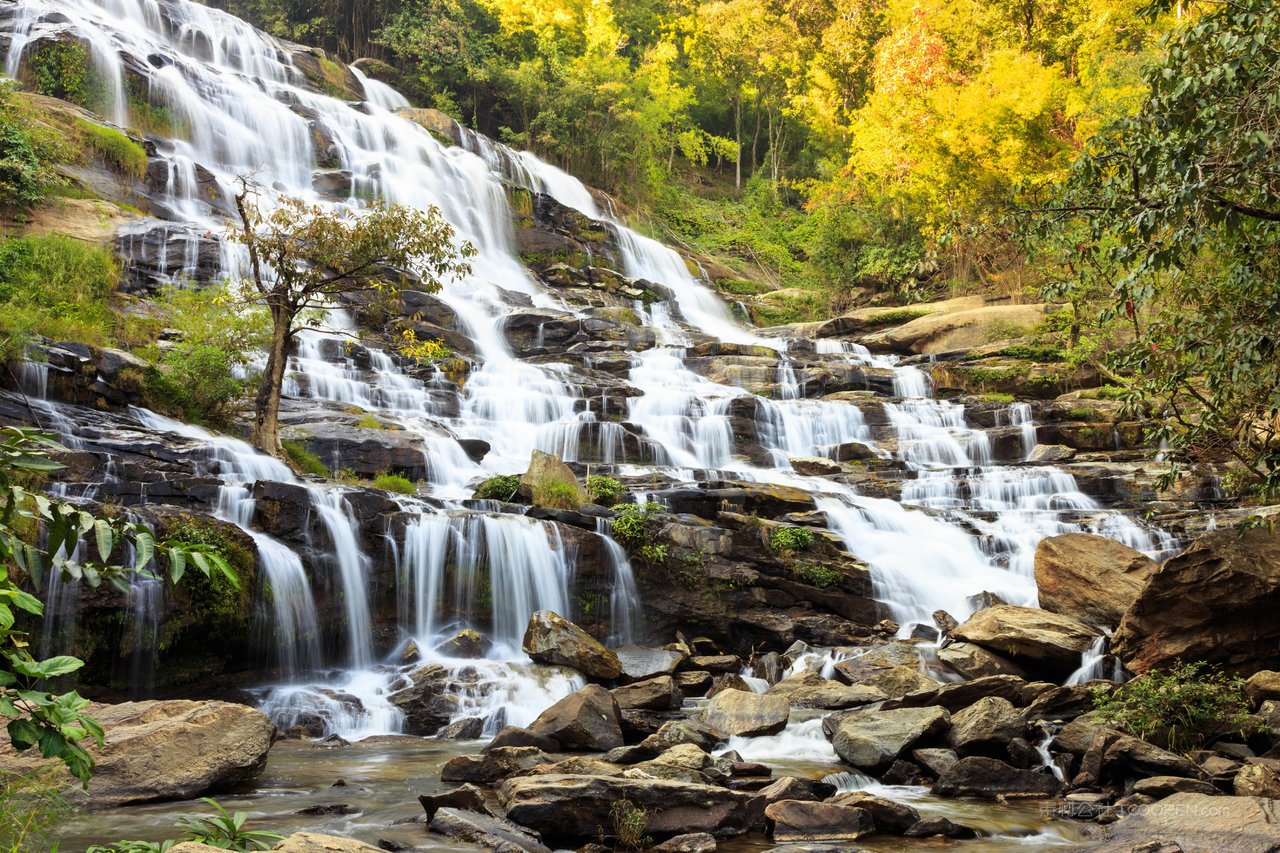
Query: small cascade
x=1096 y=664
x=1046 y=758
x=624 y=598
x=352 y=566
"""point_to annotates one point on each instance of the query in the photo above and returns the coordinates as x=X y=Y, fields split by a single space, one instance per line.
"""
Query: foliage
x=629 y=822
x=791 y=539
x=62 y=69
x=28 y=153
x=500 y=487
x=429 y=350
x=199 y=384
x=605 y=491
x=635 y=527
x=397 y=483
x=118 y=151
x=1179 y=709
x=296 y=452
x=816 y=574
x=222 y=829
x=556 y=494
x=31 y=808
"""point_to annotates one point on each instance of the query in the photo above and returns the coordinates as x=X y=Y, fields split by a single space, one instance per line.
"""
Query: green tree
x=302 y=256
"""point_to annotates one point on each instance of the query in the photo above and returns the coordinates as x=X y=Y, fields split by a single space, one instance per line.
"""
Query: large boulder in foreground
x=578 y=807
x=989 y=778
x=1037 y=639
x=489 y=832
x=1216 y=601
x=873 y=739
x=173 y=749
x=1200 y=822
x=801 y=820
x=314 y=842
x=551 y=638
x=1090 y=578
x=737 y=712
x=588 y=719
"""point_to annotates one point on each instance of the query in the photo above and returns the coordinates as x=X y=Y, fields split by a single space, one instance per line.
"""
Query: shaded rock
x=795 y=788
x=467 y=643
x=695 y=683
x=676 y=732
x=640 y=663
x=974 y=661
x=1199 y=822
x=466 y=797
x=888 y=816
x=516 y=736
x=936 y=760
x=468 y=728
x=716 y=663
x=811 y=690
x=1164 y=786
x=901 y=772
x=314 y=842
x=550 y=638
x=1031 y=637
x=1216 y=602
x=898 y=681
x=1062 y=703
x=727 y=681
x=491 y=833
x=587 y=719
x=736 y=712
x=657 y=694
x=426 y=703
x=985 y=726
x=491 y=766
x=1090 y=578
x=799 y=820
x=1262 y=686
x=814 y=466
x=1257 y=778
x=962 y=694
x=938 y=825
x=692 y=842
x=873 y=739
x=988 y=778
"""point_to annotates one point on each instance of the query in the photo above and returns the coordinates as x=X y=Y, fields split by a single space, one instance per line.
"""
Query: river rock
x=932 y=827
x=314 y=842
x=587 y=719
x=550 y=638
x=1090 y=578
x=962 y=694
x=973 y=661
x=466 y=797
x=491 y=766
x=801 y=820
x=491 y=833
x=516 y=736
x=1033 y=638
x=676 y=732
x=1199 y=822
x=691 y=842
x=811 y=690
x=1158 y=787
x=1262 y=686
x=167 y=750
x=898 y=681
x=888 y=816
x=1216 y=602
x=639 y=663
x=716 y=663
x=985 y=727
x=795 y=788
x=467 y=643
x=935 y=759
x=545 y=470
x=426 y=703
x=657 y=694
x=577 y=807
x=873 y=739
x=1259 y=777
x=737 y=712
x=988 y=778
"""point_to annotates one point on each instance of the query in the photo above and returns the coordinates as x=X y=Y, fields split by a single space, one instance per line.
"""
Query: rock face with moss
x=548 y=482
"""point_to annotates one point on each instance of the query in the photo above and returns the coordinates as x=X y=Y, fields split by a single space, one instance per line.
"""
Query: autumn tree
x=303 y=256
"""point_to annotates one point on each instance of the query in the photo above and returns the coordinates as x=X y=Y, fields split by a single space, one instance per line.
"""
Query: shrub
x=198 y=383
x=501 y=487
x=634 y=529
x=303 y=459
x=63 y=70
x=1039 y=353
x=605 y=491
x=816 y=574
x=998 y=397
x=29 y=151
x=1179 y=709
x=557 y=494
x=791 y=539
x=629 y=823
x=397 y=483
x=56 y=287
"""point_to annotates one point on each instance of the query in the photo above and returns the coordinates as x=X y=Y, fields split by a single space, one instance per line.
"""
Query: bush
x=815 y=574
x=634 y=528
x=63 y=70
x=56 y=287
x=629 y=823
x=28 y=152
x=791 y=539
x=605 y=491
x=1181 y=709
x=501 y=487
x=303 y=459
x=198 y=383
x=389 y=482
x=557 y=494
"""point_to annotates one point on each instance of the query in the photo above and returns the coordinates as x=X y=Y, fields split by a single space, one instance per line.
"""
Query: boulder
x=811 y=690
x=578 y=807
x=873 y=739
x=898 y=681
x=935 y=760
x=690 y=842
x=314 y=842
x=639 y=663
x=426 y=703
x=814 y=466
x=1259 y=777
x=933 y=827
x=516 y=736
x=1158 y=787
x=888 y=816
x=737 y=712
x=676 y=732
x=550 y=638
x=492 y=766
x=989 y=778
x=1090 y=578
x=1262 y=686
x=1033 y=638
x=588 y=719
x=1216 y=602
x=985 y=727
x=546 y=476
x=1199 y=822
x=795 y=788
x=491 y=833
x=466 y=797
x=169 y=749
x=962 y=694
x=467 y=643
x=656 y=694
x=973 y=661
x=801 y=820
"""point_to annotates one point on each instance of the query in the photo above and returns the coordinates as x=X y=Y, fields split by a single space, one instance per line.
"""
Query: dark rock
x=491 y=833
x=550 y=638
x=938 y=825
x=496 y=764
x=468 y=728
x=889 y=816
x=516 y=736
x=873 y=739
x=935 y=760
x=798 y=820
x=658 y=694
x=901 y=773
x=692 y=842
x=466 y=797
x=795 y=788
x=988 y=778
x=587 y=719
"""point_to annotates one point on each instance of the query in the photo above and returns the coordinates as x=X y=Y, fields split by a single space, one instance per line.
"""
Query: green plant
x=303 y=459
x=118 y=151
x=557 y=494
x=789 y=539
x=816 y=574
x=31 y=807
x=629 y=823
x=634 y=527
x=500 y=487
x=62 y=69
x=369 y=421
x=1180 y=709
x=225 y=830
x=196 y=382
x=397 y=483
x=132 y=847
x=897 y=316
x=57 y=287
x=998 y=397
x=605 y=491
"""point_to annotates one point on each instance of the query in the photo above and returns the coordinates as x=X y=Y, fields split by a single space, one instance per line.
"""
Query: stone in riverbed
x=800 y=820
x=899 y=681
x=467 y=643
x=873 y=739
x=1200 y=822
x=937 y=825
x=736 y=712
x=1262 y=686
x=552 y=639
x=1034 y=638
x=1165 y=786
x=811 y=690
x=313 y=842
x=548 y=470
x=693 y=683
x=1090 y=578
x=656 y=694
x=468 y=728
x=692 y=842
x=1259 y=777
x=988 y=778
x=491 y=833
x=716 y=663
x=973 y=661
x=640 y=663
x=588 y=719
x=466 y=797
x=936 y=761
x=795 y=788
x=493 y=765
x=888 y=816
x=516 y=736
x=985 y=727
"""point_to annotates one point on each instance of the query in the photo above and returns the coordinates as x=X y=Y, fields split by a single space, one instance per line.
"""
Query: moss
x=501 y=487
x=998 y=397
x=215 y=601
x=369 y=421
x=303 y=459
x=1105 y=392
x=897 y=316
x=120 y=153
x=743 y=287
x=625 y=316
x=520 y=200
x=816 y=574
x=394 y=483
x=1038 y=353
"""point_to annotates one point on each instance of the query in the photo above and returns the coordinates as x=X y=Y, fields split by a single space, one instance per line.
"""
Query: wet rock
x=727 y=681
x=658 y=694
x=799 y=820
x=516 y=736
x=985 y=727
x=466 y=797
x=811 y=690
x=1200 y=822
x=1216 y=602
x=692 y=842
x=552 y=639
x=716 y=663
x=1062 y=703
x=888 y=816
x=569 y=807
x=795 y=788
x=901 y=772
x=694 y=683
x=314 y=842
x=1259 y=777
x=491 y=833
x=1090 y=578
x=962 y=694
x=587 y=719
x=467 y=643
x=935 y=760
x=945 y=621
x=1033 y=638
x=639 y=663
x=898 y=681
x=496 y=764
x=329 y=809
x=814 y=466
x=876 y=660
x=988 y=778
x=676 y=732
x=972 y=661
x=426 y=704
x=873 y=739
x=1262 y=686
x=1157 y=787
x=937 y=825
x=468 y=728
x=736 y=712
x=439 y=123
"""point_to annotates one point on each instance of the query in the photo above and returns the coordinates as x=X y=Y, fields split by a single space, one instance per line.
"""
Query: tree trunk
x=266 y=424
x=737 y=130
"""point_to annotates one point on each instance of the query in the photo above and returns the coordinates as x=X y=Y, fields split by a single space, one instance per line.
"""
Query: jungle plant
x=500 y=487
x=635 y=529
x=791 y=539
x=605 y=491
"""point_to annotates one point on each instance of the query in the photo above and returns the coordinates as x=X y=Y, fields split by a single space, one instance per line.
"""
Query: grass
x=815 y=574
x=500 y=487
x=369 y=421
x=1038 y=353
x=998 y=397
x=396 y=483
x=120 y=153
x=557 y=494
x=897 y=316
x=791 y=539
x=303 y=459
x=58 y=288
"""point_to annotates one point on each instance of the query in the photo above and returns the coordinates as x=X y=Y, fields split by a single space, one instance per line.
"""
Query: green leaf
x=177 y=564
x=106 y=538
x=23 y=733
x=145 y=544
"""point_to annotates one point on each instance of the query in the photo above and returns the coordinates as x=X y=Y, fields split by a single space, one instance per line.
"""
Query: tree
x=302 y=256
x=56 y=723
x=1180 y=203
